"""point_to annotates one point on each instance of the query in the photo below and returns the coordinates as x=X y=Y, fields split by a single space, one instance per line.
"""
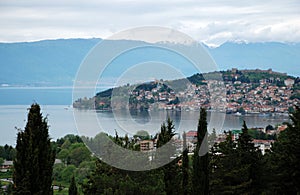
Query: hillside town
x=239 y=92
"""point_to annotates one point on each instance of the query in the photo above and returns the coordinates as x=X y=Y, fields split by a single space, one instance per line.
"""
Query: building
x=235 y=134
x=146 y=145
x=289 y=82
x=281 y=128
x=191 y=136
x=6 y=165
x=263 y=145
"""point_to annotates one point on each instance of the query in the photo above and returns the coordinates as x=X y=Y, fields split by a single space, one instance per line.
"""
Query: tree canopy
x=35 y=156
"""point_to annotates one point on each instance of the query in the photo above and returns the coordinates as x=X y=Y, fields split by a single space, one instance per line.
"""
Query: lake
x=61 y=121
x=55 y=103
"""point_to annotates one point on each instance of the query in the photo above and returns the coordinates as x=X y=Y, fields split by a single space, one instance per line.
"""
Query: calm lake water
x=55 y=103
x=61 y=120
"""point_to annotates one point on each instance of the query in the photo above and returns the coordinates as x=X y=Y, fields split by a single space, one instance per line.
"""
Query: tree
x=283 y=162
x=269 y=127
x=142 y=134
x=67 y=173
x=185 y=167
x=35 y=157
x=73 y=187
x=236 y=166
x=79 y=154
x=212 y=138
x=7 y=152
x=250 y=159
x=106 y=179
x=170 y=170
x=200 y=161
x=1 y=161
x=221 y=166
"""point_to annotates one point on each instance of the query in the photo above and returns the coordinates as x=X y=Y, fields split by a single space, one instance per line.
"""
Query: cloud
x=212 y=22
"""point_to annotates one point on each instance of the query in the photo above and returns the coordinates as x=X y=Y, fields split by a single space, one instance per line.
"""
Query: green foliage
x=142 y=134
x=295 y=96
x=35 y=156
x=73 y=151
x=79 y=154
x=212 y=138
x=200 y=161
x=67 y=173
x=236 y=167
x=106 y=179
x=185 y=167
x=255 y=77
x=170 y=170
x=269 y=127
x=73 y=188
x=57 y=172
x=7 y=152
x=146 y=86
x=197 y=79
x=255 y=134
x=283 y=162
x=76 y=161
x=64 y=156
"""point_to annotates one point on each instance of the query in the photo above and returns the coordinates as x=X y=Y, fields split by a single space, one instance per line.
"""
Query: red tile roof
x=191 y=134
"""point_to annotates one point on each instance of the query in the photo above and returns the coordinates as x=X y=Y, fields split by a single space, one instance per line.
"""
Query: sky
x=212 y=22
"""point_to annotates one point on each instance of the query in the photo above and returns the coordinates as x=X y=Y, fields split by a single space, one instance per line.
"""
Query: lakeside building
x=6 y=165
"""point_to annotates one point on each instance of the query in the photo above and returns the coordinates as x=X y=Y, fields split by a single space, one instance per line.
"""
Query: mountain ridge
x=55 y=62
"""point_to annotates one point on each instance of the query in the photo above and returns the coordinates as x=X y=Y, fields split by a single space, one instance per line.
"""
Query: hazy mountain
x=50 y=62
x=278 y=56
x=55 y=62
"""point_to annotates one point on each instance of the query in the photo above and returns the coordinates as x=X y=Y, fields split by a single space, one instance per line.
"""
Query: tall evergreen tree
x=221 y=166
x=73 y=187
x=236 y=166
x=170 y=170
x=249 y=158
x=200 y=161
x=283 y=161
x=35 y=156
x=185 y=167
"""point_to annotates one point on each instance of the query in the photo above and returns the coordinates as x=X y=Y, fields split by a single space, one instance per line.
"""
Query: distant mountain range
x=55 y=62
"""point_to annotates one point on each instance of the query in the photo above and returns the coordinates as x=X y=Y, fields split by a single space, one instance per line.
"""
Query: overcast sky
x=212 y=22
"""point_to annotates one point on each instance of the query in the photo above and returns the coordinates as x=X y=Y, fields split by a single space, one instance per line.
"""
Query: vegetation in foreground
x=230 y=167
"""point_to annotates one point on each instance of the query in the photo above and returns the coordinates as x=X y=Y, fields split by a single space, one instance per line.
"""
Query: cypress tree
x=34 y=156
x=73 y=187
x=185 y=166
x=200 y=161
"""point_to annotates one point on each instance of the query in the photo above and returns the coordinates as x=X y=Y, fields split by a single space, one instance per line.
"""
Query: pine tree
x=185 y=166
x=222 y=162
x=73 y=187
x=283 y=161
x=250 y=159
x=236 y=166
x=200 y=161
x=34 y=156
x=170 y=170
